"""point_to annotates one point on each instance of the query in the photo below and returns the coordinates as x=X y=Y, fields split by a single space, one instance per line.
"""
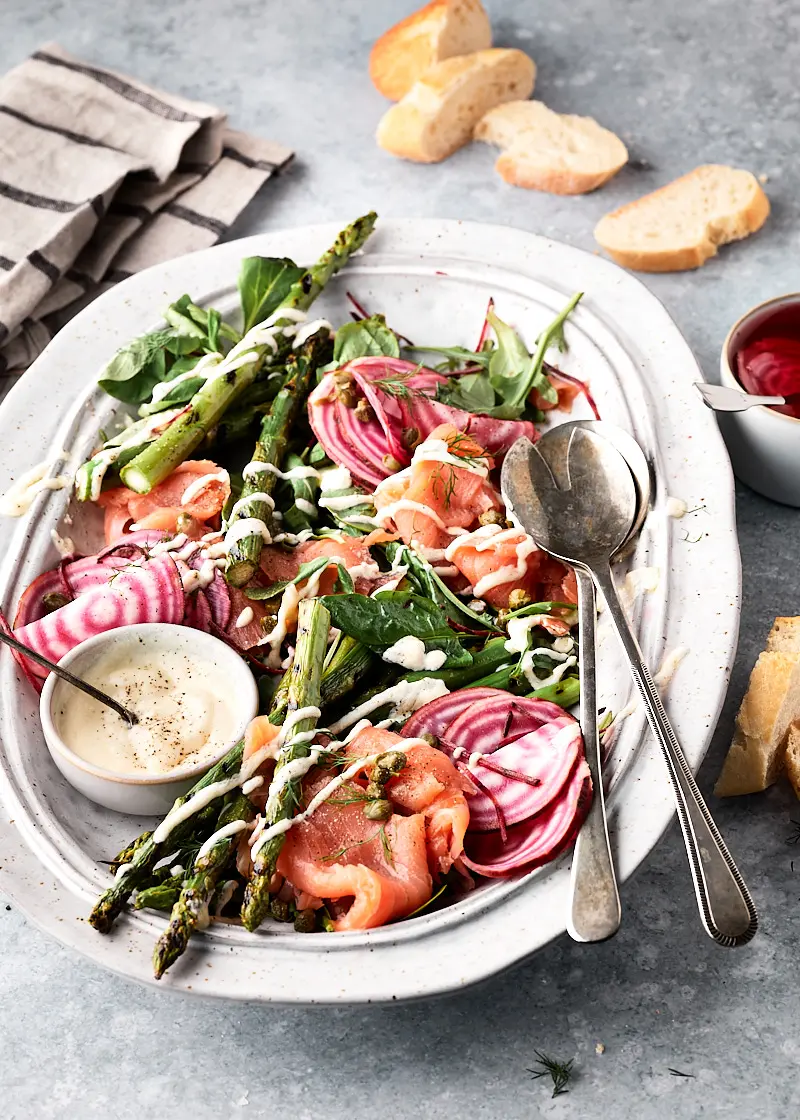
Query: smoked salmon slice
x=339 y=854
x=481 y=560
x=438 y=496
x=161 y=508
x=278 y=564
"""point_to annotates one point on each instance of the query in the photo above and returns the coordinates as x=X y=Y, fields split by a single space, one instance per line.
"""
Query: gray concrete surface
x=684 y=83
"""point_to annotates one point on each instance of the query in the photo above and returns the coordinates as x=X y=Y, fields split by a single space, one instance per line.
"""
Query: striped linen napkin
x=100 y=177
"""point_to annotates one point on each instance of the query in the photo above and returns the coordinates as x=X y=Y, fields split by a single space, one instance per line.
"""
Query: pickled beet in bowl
x=761 y=354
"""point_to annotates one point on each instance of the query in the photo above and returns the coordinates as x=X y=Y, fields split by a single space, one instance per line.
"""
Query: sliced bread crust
x=682 y=224
x=793 y=757
x=772 y=702
x=784 y=637
x=438 y=115
x=440 y=30
x=547 y=151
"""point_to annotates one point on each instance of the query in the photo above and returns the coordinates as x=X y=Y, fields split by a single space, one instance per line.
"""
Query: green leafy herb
x=560 y=1072
x=433 y=587
x=382 y=621
x=380 y=834
x=137 y=368
x=456 y=355
x=264 y=282
x=679 y=1073
x=430 y=901
x=305 y=571
x=345 y=580
x=368 y=338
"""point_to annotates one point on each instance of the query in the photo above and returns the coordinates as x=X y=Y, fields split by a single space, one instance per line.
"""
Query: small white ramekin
x=150 y=794
x=764 y=445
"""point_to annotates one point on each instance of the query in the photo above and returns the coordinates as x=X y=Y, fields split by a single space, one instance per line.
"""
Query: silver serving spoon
x=595 y=910
x=584 y=526
x=722 y=398
x=124 y=713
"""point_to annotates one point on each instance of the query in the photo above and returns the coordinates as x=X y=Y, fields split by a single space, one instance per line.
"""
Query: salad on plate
x=324 y=498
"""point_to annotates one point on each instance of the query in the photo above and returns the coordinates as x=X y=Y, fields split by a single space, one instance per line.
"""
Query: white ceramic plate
x=432 y=279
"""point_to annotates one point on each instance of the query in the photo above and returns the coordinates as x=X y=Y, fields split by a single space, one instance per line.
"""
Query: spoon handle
x=726 y=908
x=595 y=911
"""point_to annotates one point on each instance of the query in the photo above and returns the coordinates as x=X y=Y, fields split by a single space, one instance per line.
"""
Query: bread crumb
x=599 y=1048
x=763 y=177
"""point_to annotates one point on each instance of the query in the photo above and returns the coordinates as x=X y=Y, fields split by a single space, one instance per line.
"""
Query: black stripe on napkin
x=192 y=216
x=76 y=137
x=117 y=275
x=6 y=263
x=40 y=201
x=44 y=265
x=82 y=279
x=247 y=161
x=124 y=89
x=129 y=210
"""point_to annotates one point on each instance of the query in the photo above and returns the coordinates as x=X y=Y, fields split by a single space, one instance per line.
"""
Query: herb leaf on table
x=560 y=1072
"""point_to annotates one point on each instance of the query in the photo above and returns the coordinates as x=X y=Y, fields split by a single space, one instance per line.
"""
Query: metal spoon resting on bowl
x=585 y=523
x=103 y=698
x=723 y=398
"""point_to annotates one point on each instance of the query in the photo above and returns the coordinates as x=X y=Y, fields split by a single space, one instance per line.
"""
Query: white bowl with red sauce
x=762 y=356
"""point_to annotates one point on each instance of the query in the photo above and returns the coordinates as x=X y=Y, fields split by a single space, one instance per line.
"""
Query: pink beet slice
x=488 y=725
x=434 y=718
x=533 y=842
x=548 y=755
x=148 y=592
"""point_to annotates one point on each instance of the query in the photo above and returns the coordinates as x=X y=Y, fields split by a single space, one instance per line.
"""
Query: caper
x=374 y=790
x=53 y=600
x=430 y=739
x=305 y=921
x=184 y=522
x=379 y=810
x=391 y=761
x=279 y=910
x=348 y=396
x=491 y=517
x=391 y=463
x=364 y=411
x=411 y=437
x=519 y=598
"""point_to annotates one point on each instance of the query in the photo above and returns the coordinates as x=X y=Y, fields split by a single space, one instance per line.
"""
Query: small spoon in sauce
x=722 y=398
x=124 y=713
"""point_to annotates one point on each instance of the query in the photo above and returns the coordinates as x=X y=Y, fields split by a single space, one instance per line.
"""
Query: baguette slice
x=440 y=30
x=681 y=225
x=547 y=151
x=784 y=637
x=793 y=757
x=772 y=702
x=439 y=113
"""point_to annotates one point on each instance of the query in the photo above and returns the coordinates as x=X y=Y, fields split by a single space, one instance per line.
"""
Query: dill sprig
x=379 y=835
x=679 y=1073
x=560 y=1072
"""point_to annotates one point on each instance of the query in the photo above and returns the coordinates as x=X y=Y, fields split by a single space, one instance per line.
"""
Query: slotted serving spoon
x=584 y=524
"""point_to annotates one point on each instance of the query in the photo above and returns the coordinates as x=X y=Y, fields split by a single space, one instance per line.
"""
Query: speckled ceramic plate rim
x=465 y=943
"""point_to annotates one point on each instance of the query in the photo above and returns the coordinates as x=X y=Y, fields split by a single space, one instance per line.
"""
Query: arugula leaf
x=381 y=621
x=457 y=355
x=295 y=519
x=263 y=284
x=212 y=329
x=305 y=571
x=510 y=357
x=179 y=318
x=473 y=392
x=367 y=338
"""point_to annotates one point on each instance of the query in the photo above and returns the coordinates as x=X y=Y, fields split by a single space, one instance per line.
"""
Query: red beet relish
x=764 y=353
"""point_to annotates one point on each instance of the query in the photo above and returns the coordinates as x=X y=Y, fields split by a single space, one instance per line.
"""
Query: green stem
x=208 y=406
x=270 y=449
x=313 y=624
x=534 y=377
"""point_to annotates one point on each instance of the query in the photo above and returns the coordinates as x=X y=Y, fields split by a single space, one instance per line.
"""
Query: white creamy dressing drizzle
x=99 y=463
x=637 y=582
x=244 y=618
x=252 y=785
x=334 y=478
x=256 y=467
x=223 y=833
x=203 y=576
x=247 y=527
x=308 y=330
x=409 y=652
x=488 y=537
x=20 y=496
x=164 y=388
x=672 y=660
x=405 y=697
x=526 y=665
x=242 y=503
x=676 y=507
x=342 y=501
x=287 y=612
x=65 y=546
x=199 y=484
